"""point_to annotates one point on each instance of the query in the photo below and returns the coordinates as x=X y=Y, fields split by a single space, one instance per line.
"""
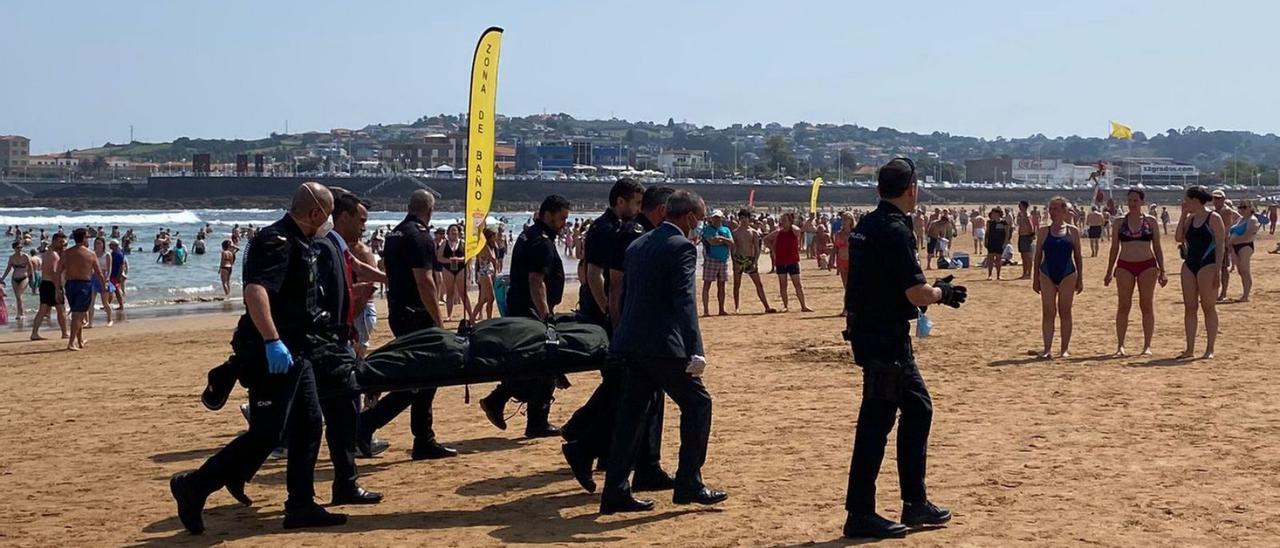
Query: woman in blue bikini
x=1061 y=274
x=1203 y=236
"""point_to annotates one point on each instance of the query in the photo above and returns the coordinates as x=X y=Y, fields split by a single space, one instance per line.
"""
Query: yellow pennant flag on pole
x=813 y=195
x=1120 y=131
x=481 y=129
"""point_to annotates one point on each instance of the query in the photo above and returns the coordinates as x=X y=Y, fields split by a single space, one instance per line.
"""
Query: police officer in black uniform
x=412 y=305
x=588 y=433
x=273 y=340
x=537 y=285
x=886 y=289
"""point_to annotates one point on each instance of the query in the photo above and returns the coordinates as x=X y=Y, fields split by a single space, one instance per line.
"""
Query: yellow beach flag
x=813 y=195
x=1120 y=131
x=481 y=129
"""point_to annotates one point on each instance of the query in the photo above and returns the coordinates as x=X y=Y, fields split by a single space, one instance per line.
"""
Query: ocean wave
x=104 y=218
x=238 y=211
x=24 y=209
x=195 y=290
x=241 y=222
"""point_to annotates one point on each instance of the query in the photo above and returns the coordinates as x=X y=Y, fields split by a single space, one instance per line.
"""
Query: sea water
x=153 y=284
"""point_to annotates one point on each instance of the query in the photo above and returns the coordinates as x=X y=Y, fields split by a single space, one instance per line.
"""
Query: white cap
x=717 y=213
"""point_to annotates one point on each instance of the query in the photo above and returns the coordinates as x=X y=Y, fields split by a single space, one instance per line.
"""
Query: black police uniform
x=280 y=259
x=592 y=425
x=408 y=246
x=534 y=251
x=882 y=266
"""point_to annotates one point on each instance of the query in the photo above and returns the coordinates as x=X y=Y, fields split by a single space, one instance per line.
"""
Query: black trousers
x=341 y=419
x=884 y=393
x=642 y=387
x=279 y=404
x=593 y=424
x=402 y=322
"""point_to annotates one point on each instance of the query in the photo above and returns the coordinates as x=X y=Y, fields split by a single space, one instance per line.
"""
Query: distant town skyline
x=240 y=69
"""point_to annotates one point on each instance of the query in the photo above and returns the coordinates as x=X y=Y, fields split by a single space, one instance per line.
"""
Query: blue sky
x=78 y=73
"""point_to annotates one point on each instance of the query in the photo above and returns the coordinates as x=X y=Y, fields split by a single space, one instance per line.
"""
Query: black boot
x=190 y=503
x=923 y=514
x=430 y=450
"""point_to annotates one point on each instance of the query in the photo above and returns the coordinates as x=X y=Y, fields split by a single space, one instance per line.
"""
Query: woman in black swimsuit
x=1204 y=237
x=453 y=257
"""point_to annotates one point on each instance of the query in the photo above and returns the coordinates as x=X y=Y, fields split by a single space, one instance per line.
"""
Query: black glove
x=952 y=295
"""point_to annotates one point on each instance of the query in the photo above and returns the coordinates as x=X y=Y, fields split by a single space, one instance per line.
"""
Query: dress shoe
x=236 y=489
x=190 y=503
x=923 y=514
x=624 y=504
x=373 y=448
x=657 y=480
x=493 y=411
x=544 y=431
x=432 y=450
x=354 y=495
x=579 y=464
x=701 y=496
x=872 y=526
x=311 y=516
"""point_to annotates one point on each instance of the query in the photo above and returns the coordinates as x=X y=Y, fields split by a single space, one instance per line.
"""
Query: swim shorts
x=979 y=233
x=1025 y=242
x=745 y=265
x=793 y=268
x=715 y=270
x=49 y=294
x=1095 y=232
x=364 y=324
x=79 y=295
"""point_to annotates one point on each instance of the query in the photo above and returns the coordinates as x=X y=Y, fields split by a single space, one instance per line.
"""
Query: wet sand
x=1088 y=450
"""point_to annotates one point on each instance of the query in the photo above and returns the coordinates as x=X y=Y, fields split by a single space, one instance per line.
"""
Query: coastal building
x=429 y=152
x=1153 y=171
x=573 y=155
x=676 y=162
x=15 y=153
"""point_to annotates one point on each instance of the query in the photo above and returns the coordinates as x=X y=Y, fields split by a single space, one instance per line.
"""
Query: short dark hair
x=626 y=188
x=744 y=213
x=226 y=244
x=655 y=197
x=895 y=178
x=345 y=201
x=1024 y=204
x=79 y=235
x=1199 y=194
x=553 y=204
x=1141 y=195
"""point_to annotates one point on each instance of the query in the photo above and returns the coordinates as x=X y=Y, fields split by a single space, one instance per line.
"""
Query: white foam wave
x=104 y=219
x=196 y=290
x=239 y=211
x=24 y=209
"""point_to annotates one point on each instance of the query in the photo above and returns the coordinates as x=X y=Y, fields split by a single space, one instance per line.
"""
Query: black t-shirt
x=600 y=249
x=882 y=266
x=408 y=246
x=535 y=251
x=280 y=259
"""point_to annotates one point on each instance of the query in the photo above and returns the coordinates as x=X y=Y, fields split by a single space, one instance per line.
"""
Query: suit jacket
x=659 y=307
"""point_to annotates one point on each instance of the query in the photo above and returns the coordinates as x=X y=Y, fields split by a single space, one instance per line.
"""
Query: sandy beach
x=1088 y=450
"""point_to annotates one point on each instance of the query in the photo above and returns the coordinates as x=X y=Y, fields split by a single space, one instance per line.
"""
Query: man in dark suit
x=658 y=340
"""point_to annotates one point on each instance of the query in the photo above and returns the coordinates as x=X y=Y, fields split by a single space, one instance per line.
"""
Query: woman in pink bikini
x=1136 y=259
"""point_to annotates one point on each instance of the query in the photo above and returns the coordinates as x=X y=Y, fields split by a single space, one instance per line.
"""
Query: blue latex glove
x=279 y=360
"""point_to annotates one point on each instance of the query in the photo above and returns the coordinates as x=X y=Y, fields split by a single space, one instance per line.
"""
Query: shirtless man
x=1095 y=221
x=979 y=230
x=919 y=223
x=1026 y=238
x=51 y=297
x=748 y=241
x=1229 y=218
x=936 y=232
x=822 y=247
x=79 y=266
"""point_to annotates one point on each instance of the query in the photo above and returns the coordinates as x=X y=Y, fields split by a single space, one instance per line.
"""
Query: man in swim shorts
x=79 y=266
x=748 y=241
x=50 y=286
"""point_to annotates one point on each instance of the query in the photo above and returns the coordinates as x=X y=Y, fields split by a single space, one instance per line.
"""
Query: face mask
x=324 y=229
